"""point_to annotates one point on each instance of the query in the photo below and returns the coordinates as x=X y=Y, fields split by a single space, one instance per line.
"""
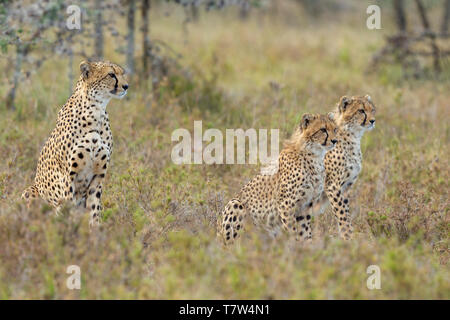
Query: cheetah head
x=104 y=79
x=356 y=113
x=319 y=132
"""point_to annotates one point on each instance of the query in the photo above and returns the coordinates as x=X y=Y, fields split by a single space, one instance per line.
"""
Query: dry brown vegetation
x=158 y=235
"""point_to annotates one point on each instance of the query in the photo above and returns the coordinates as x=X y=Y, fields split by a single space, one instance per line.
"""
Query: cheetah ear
x=306 y=120
x=368 y=98
x=85 y=68
x=343 y=103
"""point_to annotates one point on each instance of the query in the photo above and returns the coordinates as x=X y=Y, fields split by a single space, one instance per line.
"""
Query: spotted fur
x=353 y=116
x=74 y=160
x=282 y=201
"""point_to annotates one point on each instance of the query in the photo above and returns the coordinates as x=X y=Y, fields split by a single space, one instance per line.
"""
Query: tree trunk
x=130 y=36
x=400 y=16
x=20 y=54
x=145 y=9
x=98 y=30
x=446 y=17
x=423 y=15
x=244 y=10
x=426 y=26
x=194 y=12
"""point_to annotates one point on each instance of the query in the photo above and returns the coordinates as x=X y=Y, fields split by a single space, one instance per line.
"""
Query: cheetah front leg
x=294 y=224
x=93 y=201
x=94 y=194
x=341 y=211
x=303 y=222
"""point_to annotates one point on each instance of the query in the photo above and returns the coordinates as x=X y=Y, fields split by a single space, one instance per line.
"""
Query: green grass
x=157 y=239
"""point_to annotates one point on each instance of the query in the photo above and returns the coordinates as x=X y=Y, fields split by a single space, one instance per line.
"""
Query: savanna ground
x=157 y=240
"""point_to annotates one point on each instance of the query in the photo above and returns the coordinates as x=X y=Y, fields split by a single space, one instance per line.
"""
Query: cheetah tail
x=29 y=194
x=230 y=223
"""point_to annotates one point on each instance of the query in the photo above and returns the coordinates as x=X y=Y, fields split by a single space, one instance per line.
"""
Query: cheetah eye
x=335 y=130
x=323 y=130
x=361 y=111
x=112 y=75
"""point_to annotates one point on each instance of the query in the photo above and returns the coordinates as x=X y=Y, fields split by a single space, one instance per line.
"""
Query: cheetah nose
x=334 y=141
x=125 y=87
x=372 y=121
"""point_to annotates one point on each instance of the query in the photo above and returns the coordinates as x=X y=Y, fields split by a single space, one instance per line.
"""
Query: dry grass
x=158 y=237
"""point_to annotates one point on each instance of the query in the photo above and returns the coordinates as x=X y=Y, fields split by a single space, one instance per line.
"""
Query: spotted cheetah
x=353 y=116
x=75 y=158
x=281 y=201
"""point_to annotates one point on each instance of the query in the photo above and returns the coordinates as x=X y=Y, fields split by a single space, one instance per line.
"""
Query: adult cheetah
x=353 y=116
x=281 y=201
x=75 y=158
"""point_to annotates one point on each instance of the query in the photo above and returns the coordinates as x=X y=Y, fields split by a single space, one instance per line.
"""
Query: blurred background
x=232 y=64
x=34 y=32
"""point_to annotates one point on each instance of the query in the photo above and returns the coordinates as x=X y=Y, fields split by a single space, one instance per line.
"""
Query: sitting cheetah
x=74 y=159
x=279 y=201
x=353 y=116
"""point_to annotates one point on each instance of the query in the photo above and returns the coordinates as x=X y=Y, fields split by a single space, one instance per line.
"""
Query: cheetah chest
x=91 y=154
x=314 y=187
x=352 y=171
x=84 y=176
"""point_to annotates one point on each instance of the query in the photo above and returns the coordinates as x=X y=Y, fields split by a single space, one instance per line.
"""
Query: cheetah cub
x=73 y=162
x=353 y=116
x=281 y=201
